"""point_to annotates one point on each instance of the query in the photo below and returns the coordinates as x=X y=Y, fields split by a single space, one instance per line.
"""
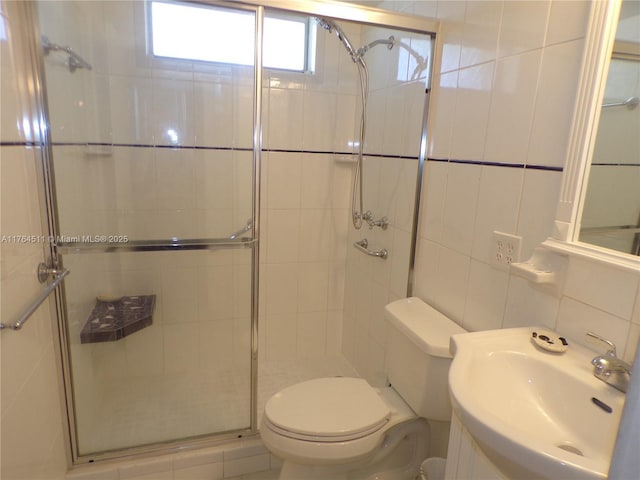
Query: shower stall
x=221 y=179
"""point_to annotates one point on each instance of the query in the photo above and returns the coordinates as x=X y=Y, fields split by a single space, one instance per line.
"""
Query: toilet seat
x=333 y=409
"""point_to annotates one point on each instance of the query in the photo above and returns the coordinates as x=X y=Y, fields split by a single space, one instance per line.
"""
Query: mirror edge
x=599 y=40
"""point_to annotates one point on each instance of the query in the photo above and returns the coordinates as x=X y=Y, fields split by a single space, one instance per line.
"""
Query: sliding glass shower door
x=153 y=173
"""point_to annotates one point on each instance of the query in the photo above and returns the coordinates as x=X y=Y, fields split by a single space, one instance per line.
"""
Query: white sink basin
x=532 y=412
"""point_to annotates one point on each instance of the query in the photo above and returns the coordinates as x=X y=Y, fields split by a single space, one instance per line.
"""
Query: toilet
x=341 y=428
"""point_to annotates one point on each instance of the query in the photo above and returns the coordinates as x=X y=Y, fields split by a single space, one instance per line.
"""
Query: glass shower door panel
x=136 y=193
x=145 y=147
x=183 y=371
x=149 y=151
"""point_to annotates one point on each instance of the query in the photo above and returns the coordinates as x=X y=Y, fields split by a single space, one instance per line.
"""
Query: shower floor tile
x=145 y=410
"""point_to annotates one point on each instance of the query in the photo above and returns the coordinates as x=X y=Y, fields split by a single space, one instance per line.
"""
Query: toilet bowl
x=342 y=428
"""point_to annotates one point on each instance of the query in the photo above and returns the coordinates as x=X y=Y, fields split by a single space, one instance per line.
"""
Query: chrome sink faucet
x=609 y=368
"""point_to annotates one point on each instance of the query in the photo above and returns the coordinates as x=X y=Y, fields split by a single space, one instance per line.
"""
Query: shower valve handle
x=381 y=222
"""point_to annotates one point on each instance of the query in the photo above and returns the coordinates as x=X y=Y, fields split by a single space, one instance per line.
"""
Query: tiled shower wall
x=305 y=203
x=395 y=112
x=502 y=107
x=317 y=291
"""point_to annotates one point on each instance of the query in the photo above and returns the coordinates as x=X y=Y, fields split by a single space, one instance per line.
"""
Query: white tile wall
x=371 y=282
x=480 y=32
x=303 y=236
x=538 y=202
x=523 y=26
x=497 y=207
x=442 y=109
x=511 y=113
x=512 y=105
x=566 y=21
x=472 y=111
x=459 y=207
x=550 y=131
x=605 y=288
x=486 y=297
x=529 y=306
x=575 y=319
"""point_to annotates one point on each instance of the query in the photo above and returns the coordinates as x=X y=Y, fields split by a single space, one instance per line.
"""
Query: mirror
x=599 y=198
x=611 y=209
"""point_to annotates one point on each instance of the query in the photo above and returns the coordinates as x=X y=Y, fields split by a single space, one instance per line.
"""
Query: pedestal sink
x=534 y=413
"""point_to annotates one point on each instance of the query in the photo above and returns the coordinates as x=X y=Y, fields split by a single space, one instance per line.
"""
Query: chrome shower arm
x=389 y=42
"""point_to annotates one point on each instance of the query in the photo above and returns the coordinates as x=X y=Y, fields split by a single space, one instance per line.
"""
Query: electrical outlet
x=505 y=250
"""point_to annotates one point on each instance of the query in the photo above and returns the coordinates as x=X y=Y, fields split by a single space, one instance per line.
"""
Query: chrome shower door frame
x=50 y=221
x=27 y=12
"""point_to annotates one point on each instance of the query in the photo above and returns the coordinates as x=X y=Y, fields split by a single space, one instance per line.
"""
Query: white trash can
x=432 y=469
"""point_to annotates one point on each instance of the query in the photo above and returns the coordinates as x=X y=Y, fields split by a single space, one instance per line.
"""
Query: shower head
x=332 y=26
x=356 y=55
x=325 y=23
x=74 y=61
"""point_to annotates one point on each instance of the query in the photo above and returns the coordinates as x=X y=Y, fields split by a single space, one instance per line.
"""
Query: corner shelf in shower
x=112 y=320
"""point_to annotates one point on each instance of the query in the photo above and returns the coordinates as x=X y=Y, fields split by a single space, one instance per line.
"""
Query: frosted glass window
x=226 y=36
x=285 y=44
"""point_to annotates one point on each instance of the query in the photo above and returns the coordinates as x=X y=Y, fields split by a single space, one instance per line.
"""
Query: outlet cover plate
x=505 y=250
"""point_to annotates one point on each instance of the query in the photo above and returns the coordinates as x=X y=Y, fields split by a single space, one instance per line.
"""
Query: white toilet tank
x=418 y=357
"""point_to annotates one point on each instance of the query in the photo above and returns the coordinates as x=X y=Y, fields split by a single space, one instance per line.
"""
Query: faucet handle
x=612 y=347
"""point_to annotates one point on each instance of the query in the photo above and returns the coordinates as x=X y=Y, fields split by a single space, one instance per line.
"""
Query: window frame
x=179 y=63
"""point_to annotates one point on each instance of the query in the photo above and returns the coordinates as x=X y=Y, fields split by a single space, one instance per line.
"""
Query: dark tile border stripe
x=200 y=147
x=322 y=152
x=615 y=164
x=21 y=144
x=497 y=164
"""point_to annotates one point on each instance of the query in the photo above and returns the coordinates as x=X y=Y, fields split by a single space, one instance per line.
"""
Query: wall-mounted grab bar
x=363 y=245
x=58 y=276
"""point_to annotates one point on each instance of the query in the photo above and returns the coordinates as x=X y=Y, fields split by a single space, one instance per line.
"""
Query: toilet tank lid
x=429 y=329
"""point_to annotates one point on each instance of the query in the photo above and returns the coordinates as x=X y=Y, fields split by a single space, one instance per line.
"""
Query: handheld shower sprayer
x=356 y=55
x=357 y=209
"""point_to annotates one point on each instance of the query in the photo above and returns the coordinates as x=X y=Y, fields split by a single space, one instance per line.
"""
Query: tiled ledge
x=112 y=320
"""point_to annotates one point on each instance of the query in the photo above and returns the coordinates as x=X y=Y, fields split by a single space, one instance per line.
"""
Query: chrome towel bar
x=58 y=276
x=630 y=103
x=363 y=245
